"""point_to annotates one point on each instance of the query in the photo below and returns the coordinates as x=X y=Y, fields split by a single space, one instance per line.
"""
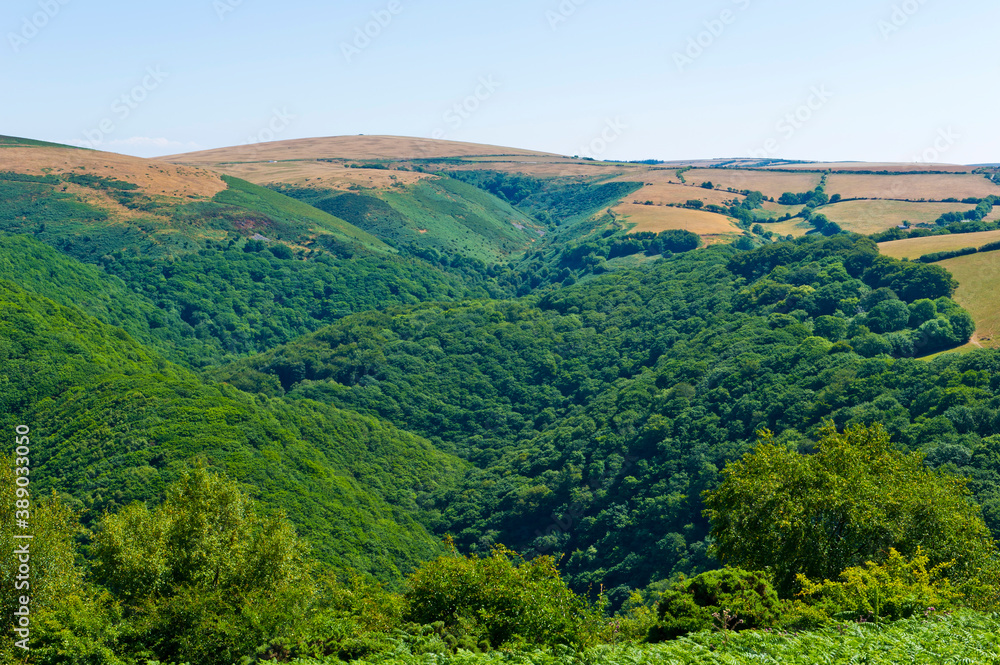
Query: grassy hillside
x=93 y=204
x=439 y=215
x=114 y=423
x=979 y=279
x=886 y=194
x=217 y=266
x=914 y=248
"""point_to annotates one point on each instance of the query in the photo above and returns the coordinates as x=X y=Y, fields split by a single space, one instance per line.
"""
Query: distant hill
x=672 y=196
x=207 y=252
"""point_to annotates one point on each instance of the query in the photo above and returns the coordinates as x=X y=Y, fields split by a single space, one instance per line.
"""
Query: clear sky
x=874 y=80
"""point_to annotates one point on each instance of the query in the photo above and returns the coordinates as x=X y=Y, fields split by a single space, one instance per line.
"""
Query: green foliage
x=850 y=503
x=432 y=218
x=53 y=573
x=126 y=424
x=207 y=534
x=41 y=269
x=502 y=599
x=208 y=577
x=961 y=638
x=235 y=302
x=895 y=589
x=698 y=604
x=597 y=414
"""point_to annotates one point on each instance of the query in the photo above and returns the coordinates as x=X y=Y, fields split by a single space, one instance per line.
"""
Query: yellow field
x=979 y=279
x=914 y=248
x=873 y=216
x=793 y=227
x=712 y=228
x=769 y=184
x=932 y=187
x=155 y=178
x=662 y=193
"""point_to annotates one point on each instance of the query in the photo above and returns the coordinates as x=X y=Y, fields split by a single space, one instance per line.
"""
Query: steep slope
x=113 y=423
x=433 y=217
x=234 y=268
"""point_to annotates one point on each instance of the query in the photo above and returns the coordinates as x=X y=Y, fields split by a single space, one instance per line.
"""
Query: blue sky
x=632 y=79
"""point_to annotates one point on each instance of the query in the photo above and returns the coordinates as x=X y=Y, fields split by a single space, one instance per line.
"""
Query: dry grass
x=155 y=178
x=872 y=166
x=347 y=147
x=711 y=227
x=319 y=174
x=914 y=248
x=567 y=168
x=979 y=282
x=663 y=193
x=873 y=216
x=913 y=187
x=794 y=227
x=768 y=183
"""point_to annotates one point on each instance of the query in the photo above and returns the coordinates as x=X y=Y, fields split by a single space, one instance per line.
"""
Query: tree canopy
x=851 y=502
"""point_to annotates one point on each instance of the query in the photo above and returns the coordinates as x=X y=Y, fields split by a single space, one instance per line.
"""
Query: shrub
x=502 y=599
x=858 y=496
x=691 y=604
x=897 y=588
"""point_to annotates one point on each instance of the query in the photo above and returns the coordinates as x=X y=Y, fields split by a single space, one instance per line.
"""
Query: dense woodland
x=363 y=448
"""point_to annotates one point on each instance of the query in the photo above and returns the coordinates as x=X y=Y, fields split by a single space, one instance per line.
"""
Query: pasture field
x=663 y=193
x=770 y=184
x=912 y=187
x=914 y=248
x=711 y=227
x=779 y=210
x=795 y=227
x=978 y=276
x=868 y=217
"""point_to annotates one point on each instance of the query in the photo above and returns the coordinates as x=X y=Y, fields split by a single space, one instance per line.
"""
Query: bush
x=857 y=497
x=895 y=589
x=502 y=599
x=698 y=604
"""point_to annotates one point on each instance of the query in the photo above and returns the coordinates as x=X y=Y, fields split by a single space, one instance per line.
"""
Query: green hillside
x=598 y=414
x=115 y=423
x=308 y=424
x=439 y=217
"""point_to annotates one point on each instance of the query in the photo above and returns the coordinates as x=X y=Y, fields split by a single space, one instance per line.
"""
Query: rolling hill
x=222 y=266
x=876 y=196
x=398 y=341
